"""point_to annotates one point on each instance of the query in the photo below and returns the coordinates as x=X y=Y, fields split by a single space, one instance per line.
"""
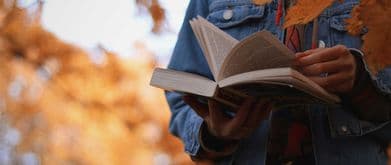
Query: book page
x=195 y=25
x=217 y=43
x=260 y=51
x=179 y=81
x=282 y=76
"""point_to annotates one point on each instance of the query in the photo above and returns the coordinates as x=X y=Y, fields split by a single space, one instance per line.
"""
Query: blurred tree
x=68 y=108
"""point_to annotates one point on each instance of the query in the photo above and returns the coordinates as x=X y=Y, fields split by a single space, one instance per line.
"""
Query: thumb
x=200 y=108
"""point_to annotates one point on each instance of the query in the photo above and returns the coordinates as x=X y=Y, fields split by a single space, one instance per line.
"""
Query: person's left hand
x=337 y=65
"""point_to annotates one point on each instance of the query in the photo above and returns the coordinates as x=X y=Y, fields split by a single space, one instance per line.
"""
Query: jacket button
x=228 y=14
x=344 y=129
x=322 y=44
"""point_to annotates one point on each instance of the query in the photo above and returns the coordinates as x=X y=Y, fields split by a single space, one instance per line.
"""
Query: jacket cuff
x=373 y=79
x=213 y=148
x=362 y=75
x=367 y=102
x=192 y=144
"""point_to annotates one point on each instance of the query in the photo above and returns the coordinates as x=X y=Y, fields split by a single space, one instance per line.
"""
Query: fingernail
x=299 y=54
x=296 y=62
x=308 y=51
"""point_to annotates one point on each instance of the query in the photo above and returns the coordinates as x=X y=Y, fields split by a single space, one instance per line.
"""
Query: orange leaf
x=355 y=24
x=305 y=11
x=375 y=15
x=261 y=2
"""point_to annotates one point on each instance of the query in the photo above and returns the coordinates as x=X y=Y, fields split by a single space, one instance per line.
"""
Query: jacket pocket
x=238 y=18
x=343 y=123
x=228 y=13
x=338 y=26
x=339 y=22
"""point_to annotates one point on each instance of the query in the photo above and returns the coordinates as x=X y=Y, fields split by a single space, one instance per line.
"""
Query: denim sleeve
x=187 y=56
x=376 y=89
x=377 y=113
x=370 y=105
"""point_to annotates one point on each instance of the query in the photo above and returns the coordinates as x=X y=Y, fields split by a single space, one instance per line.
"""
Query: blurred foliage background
x=60 y=106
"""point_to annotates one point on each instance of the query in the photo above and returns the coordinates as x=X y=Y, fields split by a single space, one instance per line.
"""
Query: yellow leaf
x=305 y=11
x=374 y=15
x=261 y=2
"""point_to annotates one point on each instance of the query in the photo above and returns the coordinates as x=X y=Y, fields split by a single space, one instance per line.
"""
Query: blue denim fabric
x=339 y=136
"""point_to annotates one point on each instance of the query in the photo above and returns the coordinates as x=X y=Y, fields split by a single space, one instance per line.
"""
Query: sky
x=115 y=24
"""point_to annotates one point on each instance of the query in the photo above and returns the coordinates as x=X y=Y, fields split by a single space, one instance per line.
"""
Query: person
x=355 y=132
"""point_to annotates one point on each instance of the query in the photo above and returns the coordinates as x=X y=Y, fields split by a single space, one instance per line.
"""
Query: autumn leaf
x=375 y=16
x=354 y=24
x=68 y=109
x=156 y=11
x=261 y=2
x=389 y=153
x=305 y=11
x=158 y=16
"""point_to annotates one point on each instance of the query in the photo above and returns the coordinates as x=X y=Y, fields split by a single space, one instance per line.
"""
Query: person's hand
x=220 y=125
x=389 y=151
x=332 y=68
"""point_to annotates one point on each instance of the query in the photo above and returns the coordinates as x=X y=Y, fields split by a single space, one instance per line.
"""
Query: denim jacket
x=339 y=135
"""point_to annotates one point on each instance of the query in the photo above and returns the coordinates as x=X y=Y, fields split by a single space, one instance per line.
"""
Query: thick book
x=258 y=65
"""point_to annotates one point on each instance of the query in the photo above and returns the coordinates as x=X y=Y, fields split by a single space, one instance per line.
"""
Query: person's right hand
x=220 y=125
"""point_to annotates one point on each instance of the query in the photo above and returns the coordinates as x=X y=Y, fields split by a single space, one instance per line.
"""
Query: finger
x=296 y=60
x=318 y=57
x=333 y=79
x=325 y=67
x=305 y=53
x=260 y=112
x=343 y=88
x=199 y=108
x=243 y=133
x=300 y=54
x=313 y=50
x=216 y=113
x=327 y=54
x=242 y=114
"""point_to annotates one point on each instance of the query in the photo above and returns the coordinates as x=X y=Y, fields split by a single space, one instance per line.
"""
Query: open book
x=258 y=64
